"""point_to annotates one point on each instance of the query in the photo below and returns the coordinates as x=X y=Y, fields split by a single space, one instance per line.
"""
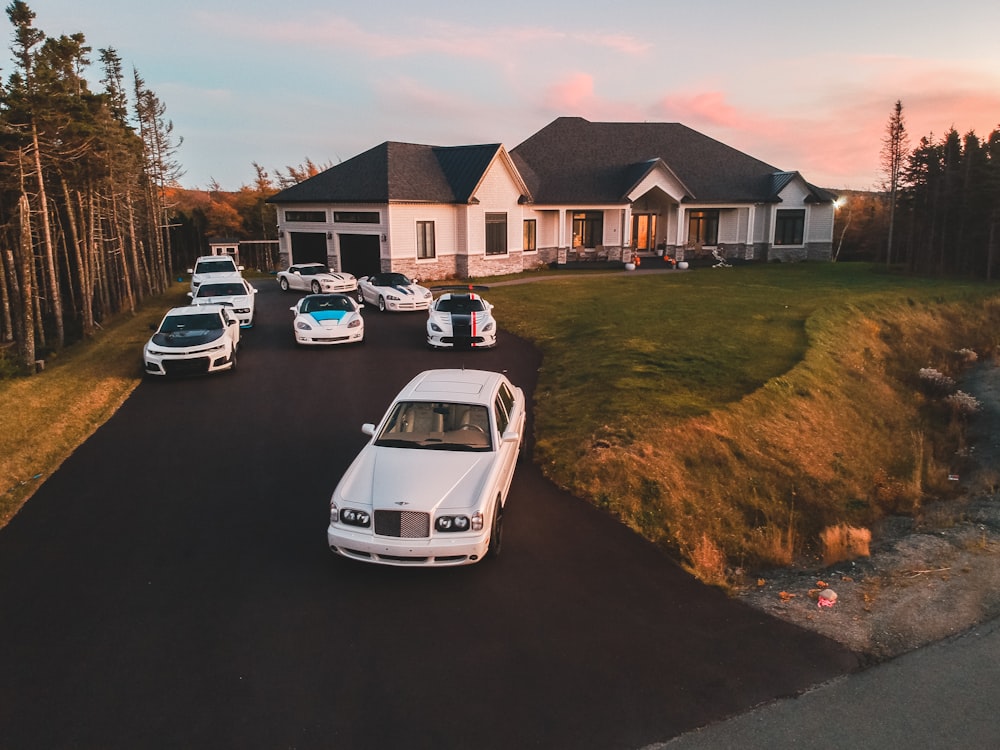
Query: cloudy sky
x=806 y=86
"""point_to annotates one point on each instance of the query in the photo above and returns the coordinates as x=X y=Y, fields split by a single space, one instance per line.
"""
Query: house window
x=588 y=229
x=643 y=231
x=425 y=239
x=305 y=215
x=496 y=234
x=356 y=217
x=789 y=227
x=530 y=242
x=703 y=227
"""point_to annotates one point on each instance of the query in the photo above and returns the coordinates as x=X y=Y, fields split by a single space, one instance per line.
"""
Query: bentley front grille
x=402 y=523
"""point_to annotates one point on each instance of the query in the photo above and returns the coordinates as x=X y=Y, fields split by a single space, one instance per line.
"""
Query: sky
x=801 y=86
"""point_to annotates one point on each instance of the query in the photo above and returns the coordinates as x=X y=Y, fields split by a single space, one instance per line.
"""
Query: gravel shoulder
x=927 y=578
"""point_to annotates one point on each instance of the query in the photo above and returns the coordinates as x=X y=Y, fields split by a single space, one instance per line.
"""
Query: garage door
x=309 y=247
x=359 y=254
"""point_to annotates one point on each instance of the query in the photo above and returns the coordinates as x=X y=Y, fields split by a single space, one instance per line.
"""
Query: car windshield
x=437 y=425
x=332 y=302
x=223 y=265
x=460 y=305
x=191 y=322
x=391 y=279
x=312 y=270
x=221 y=290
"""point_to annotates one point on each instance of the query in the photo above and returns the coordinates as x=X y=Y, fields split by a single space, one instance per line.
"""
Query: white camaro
x=458 y=320
x=393 y=292
x=209 y=267
x=327 y=319
x=315 y=278
x=232 y=290
x=430 y=487
x=193 y=340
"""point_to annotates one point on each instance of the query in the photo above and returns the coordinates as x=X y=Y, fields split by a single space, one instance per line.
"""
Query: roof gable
x=572 y=160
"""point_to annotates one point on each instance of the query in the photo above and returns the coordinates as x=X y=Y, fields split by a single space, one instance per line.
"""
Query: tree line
x=943 y=201
x=92 y=219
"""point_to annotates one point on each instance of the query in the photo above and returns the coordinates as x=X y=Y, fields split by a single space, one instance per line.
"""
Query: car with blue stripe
x=322 y=319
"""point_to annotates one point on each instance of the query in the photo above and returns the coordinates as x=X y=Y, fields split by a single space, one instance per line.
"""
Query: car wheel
x=381 y=304
x=316 y=288
x=496 y=532
x=233 y=359
x=283 y=283
x=361 y=297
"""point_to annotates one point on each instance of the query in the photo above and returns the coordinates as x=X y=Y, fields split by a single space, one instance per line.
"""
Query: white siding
x=403 y=218
x=819 y=223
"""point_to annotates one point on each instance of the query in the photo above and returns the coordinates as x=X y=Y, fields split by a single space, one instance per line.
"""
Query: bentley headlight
x=353 y=517
x=452 y=523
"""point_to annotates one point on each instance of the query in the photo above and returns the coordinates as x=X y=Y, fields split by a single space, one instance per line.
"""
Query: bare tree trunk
x=83 y=272
x=47 y=244
x=7 y=293
x=25 y=252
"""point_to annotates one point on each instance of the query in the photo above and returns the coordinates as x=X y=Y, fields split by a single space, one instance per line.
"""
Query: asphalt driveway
x=170 y=586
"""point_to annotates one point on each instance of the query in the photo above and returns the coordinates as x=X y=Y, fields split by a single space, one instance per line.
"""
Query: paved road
x=942 y=697
x=170 y=586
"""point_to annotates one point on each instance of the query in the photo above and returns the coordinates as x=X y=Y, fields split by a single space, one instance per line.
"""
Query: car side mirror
x=368 y=428
x=511 y=436
x=292 y=308
x=190 y=270
x=191 y=295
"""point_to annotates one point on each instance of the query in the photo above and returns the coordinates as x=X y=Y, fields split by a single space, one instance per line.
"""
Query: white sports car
x=430 y=487
x=461 y=320
x=327 y=319
x=232 y=290
x=193 y=341
x=315 y=278
x=209 y=267
x=393 y=291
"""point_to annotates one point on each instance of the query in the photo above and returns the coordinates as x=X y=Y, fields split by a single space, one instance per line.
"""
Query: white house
x=575 y=191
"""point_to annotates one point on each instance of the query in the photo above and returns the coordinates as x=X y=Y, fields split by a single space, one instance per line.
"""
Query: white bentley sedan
x=430 y=487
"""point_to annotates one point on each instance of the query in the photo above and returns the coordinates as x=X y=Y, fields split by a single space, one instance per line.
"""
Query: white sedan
x=209 y=267
x=327 y=319
x=315 y=278
x=394 y=292
x=430 y=487
x=193 y=340
x=232 y=290
x=459 y=320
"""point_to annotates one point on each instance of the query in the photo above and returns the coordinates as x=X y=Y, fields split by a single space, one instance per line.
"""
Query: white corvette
x=327 y=319
x=457 y=320
x=315 y=278
x=393 y=291
x=232 y=290
x=193 y=341
x=430 y=487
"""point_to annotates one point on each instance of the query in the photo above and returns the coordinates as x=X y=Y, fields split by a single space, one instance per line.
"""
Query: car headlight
x=488 y=326
x=393 y=297
x=354 y=517
x=435 y=327
x=242 y=310
x=354 y=323
x=302 y=325
x=452 y=523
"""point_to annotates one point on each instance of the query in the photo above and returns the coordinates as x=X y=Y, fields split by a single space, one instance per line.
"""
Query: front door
x=644 y=232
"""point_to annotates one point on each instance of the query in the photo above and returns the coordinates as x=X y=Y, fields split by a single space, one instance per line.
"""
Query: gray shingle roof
x=397 y=172
x=572 y=160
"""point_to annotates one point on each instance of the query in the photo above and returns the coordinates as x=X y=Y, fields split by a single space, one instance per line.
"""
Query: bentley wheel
x=496 y=532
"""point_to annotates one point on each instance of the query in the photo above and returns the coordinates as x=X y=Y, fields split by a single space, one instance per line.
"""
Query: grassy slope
x=732 y=413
